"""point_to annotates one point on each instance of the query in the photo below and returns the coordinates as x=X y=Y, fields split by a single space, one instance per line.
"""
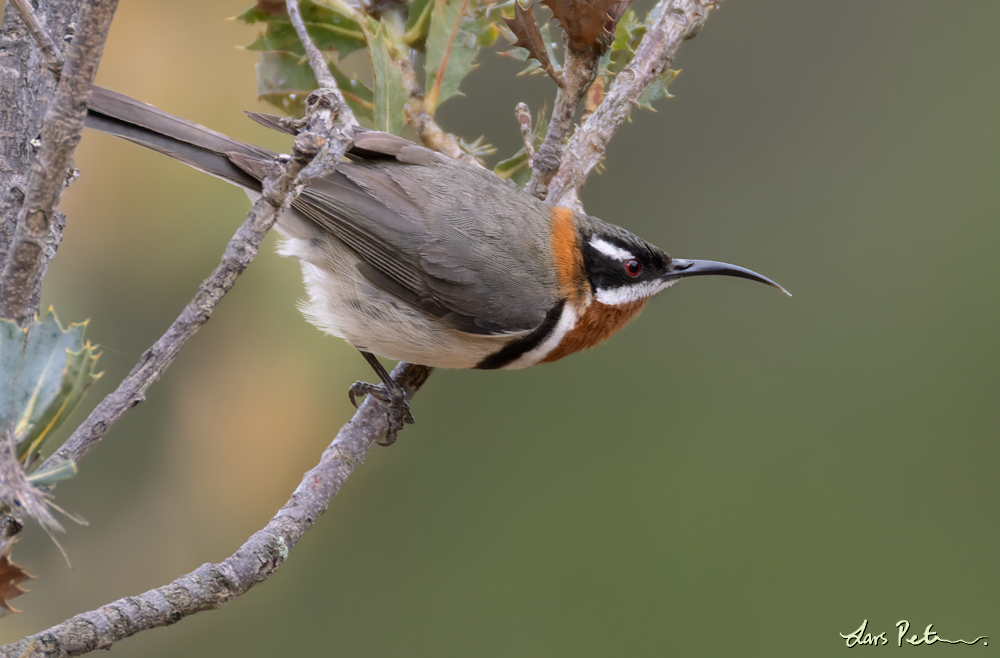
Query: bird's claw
x=397 y=410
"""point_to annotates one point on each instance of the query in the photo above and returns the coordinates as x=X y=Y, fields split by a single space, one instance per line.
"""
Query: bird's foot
x=393 y=399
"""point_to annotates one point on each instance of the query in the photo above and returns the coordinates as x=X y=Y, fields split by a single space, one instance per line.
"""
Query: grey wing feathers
x=426 y=229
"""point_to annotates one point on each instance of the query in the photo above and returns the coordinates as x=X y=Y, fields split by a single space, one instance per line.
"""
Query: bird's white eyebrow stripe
x=610 y=250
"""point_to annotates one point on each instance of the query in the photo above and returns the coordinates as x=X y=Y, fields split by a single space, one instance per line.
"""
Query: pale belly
x=340 y=302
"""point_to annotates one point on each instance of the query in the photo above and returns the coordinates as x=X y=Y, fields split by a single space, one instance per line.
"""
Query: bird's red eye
x=633 y=267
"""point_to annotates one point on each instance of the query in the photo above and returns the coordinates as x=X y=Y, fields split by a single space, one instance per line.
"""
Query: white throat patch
x=632 y=293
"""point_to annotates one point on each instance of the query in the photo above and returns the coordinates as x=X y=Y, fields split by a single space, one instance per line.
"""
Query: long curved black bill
x=682 y=268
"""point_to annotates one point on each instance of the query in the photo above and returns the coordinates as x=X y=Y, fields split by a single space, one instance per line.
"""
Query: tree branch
x=53 y=60
x=431 y=134
x=31 y=249
x=213 y=585
x=579 y=71
x=523 y=116
x=317 y=62
x=675 y=21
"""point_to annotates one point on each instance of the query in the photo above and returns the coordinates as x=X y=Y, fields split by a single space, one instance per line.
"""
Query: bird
x=414 y=256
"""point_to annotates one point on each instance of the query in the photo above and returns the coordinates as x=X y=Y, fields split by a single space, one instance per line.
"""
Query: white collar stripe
x=567 y=320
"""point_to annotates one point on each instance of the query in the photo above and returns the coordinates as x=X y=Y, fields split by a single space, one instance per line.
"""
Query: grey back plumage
x=425 y=228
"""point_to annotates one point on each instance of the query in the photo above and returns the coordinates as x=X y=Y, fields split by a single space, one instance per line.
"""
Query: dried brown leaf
x=589 y=24
x=525 y=28
x=11 y=576
x=593 y=98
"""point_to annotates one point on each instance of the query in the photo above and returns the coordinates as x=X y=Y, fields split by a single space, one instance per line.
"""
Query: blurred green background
x=736 y=473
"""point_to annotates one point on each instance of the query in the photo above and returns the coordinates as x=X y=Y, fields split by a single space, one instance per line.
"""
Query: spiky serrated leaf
x=452 y=46
x=78 y=376
x=524 y=26
x=390 y=94
x=17 y=494
x=589 y=24
x=44 y=372
x=657 y=89
x=628 y=33
x=478 y=148
x=533 y=66
x=11 y=577
x=255 y=14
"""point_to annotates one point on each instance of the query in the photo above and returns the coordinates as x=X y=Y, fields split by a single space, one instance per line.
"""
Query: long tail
x=197 y=146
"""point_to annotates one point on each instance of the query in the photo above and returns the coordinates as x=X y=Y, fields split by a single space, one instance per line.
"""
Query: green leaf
x=533 y=65
x=657 y=89
x=418 y=23
x=253 y=15
x=358 y=95
x=479 y=148
x=44 y=372
x=390 y=94
x=514 y=168
x=332 y=26
x=284 y=80
x=452 y=46
x=48 y=477
x=628 y=32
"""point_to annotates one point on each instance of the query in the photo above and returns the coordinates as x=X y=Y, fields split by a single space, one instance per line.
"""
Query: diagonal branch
x=211 y=586
x=579 y=72
x=675 y=21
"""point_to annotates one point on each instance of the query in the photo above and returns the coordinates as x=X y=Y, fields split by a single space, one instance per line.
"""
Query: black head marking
x=613 y=258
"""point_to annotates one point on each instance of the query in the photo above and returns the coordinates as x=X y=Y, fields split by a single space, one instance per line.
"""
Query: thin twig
x=523 y=116
x=676 y=21
x=28 y=257
x=53 y=61
x=213 y=585
x=431 y=134
x=316 y=60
